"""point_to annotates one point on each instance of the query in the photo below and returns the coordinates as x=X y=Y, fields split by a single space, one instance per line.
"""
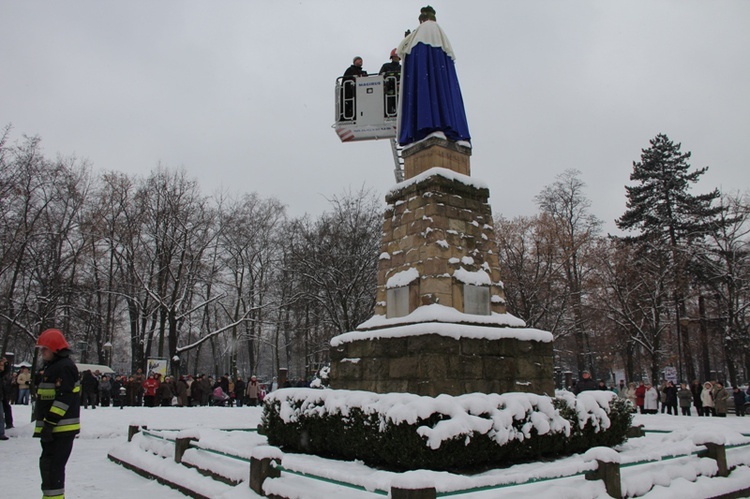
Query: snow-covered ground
x=90 y=474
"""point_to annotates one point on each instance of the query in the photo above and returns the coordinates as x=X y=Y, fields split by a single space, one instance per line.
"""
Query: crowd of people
x=138 y=389
x=157 y=390
x=710 y=398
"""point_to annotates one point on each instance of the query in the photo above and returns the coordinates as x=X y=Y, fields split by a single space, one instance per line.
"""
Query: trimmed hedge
x=365 y=428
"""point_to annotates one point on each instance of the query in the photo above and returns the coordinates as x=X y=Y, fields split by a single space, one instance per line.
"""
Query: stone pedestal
x=438 y=257
x=438 y=226
x=432 y=364
x=435 y=152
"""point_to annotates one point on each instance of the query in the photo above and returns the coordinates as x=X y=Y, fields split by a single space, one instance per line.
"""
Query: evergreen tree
x=669 y=218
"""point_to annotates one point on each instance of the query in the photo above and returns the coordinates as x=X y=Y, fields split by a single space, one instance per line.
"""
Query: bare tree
x=335 y=259
x=574 y=231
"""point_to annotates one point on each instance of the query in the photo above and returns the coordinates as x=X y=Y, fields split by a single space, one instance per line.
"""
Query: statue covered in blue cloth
x=430 y=94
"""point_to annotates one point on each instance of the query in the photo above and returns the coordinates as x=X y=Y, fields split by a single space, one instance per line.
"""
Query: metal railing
x=485 y=488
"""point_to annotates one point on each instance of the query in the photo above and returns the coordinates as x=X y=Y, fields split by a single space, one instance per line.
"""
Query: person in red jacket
x=640 y=395
x=149 y=390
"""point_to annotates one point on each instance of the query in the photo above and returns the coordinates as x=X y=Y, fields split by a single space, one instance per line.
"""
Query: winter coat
x=196 y=390
x=132 y=387
x=393 y=67
x=239 y=388
x=89 y=383
x=354 y=70
x=3 y=377
x=182 y=392
x=23 y=380
x=695 y=389
x=59 y=397
x=585 y=384
x=650 y=399
x=721 y=399
x=630 y=395
x=164 y=392
x=670 y=396
x=739 y=398
x=707 y=397
x=640 y=393
x=105 y=387
x=201 y=390
x=224 y=384
x=253 y=389
x=685 y=396
x=150 y=386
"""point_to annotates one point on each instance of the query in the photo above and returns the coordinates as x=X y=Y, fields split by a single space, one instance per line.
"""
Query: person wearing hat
x=348 y=84
x=393 y=67
x=356 y=68
x=585 y=383
x=391 y=72
x=57 y=411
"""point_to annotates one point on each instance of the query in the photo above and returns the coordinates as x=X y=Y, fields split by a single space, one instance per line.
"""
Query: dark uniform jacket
x=585 y=384
x=393 y=67
x=59 y=398
x=355 y=70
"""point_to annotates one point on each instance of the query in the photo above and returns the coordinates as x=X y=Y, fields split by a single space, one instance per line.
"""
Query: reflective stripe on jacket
x=59 y=398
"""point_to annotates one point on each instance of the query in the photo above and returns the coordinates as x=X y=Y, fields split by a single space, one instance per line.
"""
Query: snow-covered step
x=165 y=470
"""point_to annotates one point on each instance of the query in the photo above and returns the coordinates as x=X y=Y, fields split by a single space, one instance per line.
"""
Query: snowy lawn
x=91 y=475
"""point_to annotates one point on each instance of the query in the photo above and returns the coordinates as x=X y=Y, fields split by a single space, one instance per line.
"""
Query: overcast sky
x=240 y=93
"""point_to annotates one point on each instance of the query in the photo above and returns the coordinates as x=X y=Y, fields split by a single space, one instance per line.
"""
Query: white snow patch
x=709 y=438
x=403 y=278
x=603 y=454
x=442 y=313
x=267 y=452
x=475 y=278
x=443 y=172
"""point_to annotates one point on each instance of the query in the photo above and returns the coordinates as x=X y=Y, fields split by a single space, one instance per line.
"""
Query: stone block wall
x=437 y=226
x=432 y=364
x=433 y=152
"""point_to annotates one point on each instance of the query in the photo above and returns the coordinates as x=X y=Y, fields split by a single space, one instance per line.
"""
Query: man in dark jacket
x=585 y=383
x=393 y=67
x=391 y=72
x=239 y=391
x=349 y=84
x=6 y=393
x=57 y=411
x=356 y=68
x=196 y=390
x=3 y=370
x=90 y=387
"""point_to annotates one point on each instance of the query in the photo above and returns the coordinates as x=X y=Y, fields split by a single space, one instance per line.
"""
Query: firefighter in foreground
x=57 y=411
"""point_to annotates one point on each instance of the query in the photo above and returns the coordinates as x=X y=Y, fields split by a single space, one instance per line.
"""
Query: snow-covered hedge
x=406 y=431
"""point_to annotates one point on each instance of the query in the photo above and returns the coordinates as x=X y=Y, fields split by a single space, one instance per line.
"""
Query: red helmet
x=52 y=339
x=393 y=53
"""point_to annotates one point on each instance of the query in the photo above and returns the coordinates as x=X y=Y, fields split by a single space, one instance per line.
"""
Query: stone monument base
x=434 y=364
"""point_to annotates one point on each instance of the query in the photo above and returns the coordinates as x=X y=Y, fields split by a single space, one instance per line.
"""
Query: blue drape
x=431 y=97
